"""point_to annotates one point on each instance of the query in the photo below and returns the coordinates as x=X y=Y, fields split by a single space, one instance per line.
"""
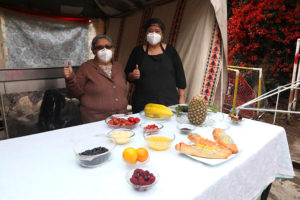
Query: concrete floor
x=288 y=189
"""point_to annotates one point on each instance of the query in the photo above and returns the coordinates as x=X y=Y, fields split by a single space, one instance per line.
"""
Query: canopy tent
x=197 y=29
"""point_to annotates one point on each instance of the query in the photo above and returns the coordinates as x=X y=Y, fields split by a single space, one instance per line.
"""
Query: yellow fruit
x=121 y=137
x=159 y=143
x=130 y=155
x=142 y=154
x=157 y=111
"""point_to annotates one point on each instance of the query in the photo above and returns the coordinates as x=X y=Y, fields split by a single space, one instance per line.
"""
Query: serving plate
x=173 y=107
x=210 y=161
x=222 y=124
x=142 y=114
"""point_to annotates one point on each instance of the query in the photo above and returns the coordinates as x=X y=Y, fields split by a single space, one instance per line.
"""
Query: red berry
x=152 y=179
x=133 y=180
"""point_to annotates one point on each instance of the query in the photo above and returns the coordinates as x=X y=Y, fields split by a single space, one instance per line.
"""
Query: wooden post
x=292 y=97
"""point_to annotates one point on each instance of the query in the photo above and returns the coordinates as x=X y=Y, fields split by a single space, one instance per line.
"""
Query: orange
x=130 y=155
x=142 y=154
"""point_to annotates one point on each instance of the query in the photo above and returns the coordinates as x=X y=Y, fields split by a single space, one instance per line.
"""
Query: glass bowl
x=235 y=119
x=151 y=127
x=94 y=151
x=186 y=128
x=122 y=121
x=182 y=118
x=160 y=141
x=121 y=135
x=130 y=175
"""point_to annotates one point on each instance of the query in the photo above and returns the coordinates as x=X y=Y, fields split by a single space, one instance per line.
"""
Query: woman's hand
x=135 y=74
x=67 y=71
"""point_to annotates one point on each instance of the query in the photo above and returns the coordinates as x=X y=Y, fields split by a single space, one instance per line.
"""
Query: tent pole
x=221 y=99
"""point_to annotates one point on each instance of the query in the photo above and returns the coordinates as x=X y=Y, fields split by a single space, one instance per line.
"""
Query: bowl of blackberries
x=94 y=151
x=142 y=179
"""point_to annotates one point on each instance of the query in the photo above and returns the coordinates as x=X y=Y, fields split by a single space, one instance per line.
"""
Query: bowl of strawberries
x=122 y=121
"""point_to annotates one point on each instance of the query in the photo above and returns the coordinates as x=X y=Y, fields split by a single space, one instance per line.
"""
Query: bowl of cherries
x=142 y=179
x=122 y=121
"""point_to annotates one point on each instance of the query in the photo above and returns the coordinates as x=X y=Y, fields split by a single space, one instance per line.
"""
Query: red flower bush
x=263 y=33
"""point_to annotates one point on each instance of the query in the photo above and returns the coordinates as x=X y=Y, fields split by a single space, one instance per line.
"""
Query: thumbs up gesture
x=67 y=71
x=136 y=72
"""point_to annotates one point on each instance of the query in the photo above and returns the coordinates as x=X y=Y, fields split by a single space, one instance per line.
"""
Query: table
x=43 y=166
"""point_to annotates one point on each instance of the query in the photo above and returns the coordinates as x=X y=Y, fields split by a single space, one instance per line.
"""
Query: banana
x=157 y=111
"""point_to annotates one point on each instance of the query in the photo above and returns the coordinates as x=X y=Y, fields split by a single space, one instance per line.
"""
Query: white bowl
x=186 y=128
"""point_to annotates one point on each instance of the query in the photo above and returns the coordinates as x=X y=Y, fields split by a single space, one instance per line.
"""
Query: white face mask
x=105 y=55
x=153 y=38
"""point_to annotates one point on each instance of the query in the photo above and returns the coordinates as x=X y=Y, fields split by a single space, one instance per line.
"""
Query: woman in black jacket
x=156 y=70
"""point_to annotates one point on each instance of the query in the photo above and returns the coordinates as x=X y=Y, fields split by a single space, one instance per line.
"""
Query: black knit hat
x=154 y=21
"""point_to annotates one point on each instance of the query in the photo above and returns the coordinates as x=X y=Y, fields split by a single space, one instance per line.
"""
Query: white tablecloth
x=43 y=166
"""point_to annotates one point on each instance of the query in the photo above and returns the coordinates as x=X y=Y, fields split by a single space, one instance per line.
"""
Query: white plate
x=208 y=122
x=222 y=124
x=142 y=114
x=210 y=161
x=173 y=107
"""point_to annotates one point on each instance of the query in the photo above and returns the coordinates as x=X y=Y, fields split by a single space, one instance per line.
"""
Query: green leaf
x=180 y=109
x=212 y=108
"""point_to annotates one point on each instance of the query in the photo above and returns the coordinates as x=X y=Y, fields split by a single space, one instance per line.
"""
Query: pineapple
x=197 y=110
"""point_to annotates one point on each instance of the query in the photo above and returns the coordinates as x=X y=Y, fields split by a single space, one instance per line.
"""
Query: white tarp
x=201 y=41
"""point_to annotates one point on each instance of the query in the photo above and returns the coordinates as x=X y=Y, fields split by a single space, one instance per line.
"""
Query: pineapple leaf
x=180 y=109
x=212 y=108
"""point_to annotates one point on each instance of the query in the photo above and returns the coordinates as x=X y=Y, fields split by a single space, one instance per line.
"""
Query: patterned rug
x=213 y=66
